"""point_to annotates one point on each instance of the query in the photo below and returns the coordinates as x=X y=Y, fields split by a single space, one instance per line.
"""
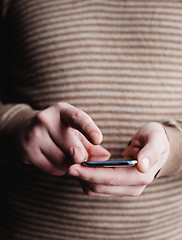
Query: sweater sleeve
x=12 y=116
x=11 y=119
x=173 y=164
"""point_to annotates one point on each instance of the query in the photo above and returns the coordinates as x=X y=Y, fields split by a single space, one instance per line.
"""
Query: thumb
x=147 y=157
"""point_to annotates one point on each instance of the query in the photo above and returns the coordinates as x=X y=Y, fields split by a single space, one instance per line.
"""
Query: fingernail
x=83 y=156
x=79 y=154
x=145 y=164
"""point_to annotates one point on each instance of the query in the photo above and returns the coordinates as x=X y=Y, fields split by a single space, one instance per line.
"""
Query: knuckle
x=76 y=115
x=79 y=115
x=43 y=118
x=113 y=181
x=60 y=105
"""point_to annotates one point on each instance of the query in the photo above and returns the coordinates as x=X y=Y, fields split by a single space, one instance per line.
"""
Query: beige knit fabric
x=121 y=62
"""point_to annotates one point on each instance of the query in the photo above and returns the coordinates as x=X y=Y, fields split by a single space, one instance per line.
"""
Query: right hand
x=57 y=137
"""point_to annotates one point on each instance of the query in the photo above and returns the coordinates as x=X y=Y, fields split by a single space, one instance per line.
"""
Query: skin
x=57 y=137
x=150 y=145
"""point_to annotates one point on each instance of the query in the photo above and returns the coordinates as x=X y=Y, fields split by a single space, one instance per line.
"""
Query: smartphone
x=114 y=163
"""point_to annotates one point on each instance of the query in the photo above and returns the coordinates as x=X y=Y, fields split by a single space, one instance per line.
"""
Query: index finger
x=81 y=121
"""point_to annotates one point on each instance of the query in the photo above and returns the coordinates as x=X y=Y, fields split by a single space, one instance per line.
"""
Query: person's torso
x=121 y=62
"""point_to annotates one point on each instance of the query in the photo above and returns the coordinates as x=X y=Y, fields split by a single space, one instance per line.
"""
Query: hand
x=149 y=145
x=58 y=136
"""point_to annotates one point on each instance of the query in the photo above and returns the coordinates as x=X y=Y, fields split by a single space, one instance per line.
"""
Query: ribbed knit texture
x=121 y=62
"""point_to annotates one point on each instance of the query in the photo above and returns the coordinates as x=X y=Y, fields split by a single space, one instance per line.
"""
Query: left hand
x=150 y=145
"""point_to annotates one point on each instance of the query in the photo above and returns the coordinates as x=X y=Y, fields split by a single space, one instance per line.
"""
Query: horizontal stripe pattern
x=120 y=61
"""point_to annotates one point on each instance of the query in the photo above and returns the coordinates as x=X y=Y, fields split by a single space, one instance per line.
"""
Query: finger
x=149 y=155
x=41 y=161
x=98 y=151
x=62 y=135
x=48 y=148
x=56 y=156
x=58 y=119
x=79 y=120
x=111 y=176
x=131 y=152
x=91 y=193
x=99 y=158
x=155 y=149
x=39 y=139
x=70 y=144
x=92 y=150
x=132 y=191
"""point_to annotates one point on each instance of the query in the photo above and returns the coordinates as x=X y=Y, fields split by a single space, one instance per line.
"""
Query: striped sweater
x=119 y=61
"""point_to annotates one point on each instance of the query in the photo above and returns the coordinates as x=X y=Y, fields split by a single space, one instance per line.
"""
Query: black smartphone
x=114 y=163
